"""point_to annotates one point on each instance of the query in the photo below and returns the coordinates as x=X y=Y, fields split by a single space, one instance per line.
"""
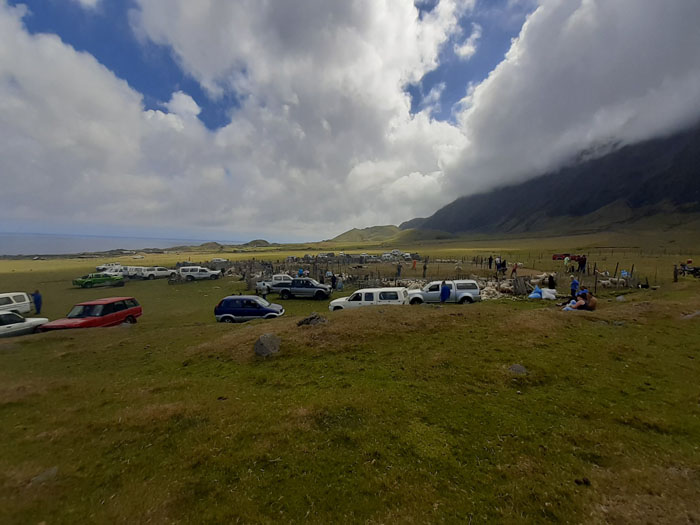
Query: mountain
x=633 y=183
x=373 y=233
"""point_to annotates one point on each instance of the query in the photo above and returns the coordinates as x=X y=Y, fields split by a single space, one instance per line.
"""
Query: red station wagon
x=109 y=311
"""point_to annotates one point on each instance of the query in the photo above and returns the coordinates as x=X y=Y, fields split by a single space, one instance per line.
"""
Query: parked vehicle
x=246 y=307
x=109 y=311
x=156 y=272
x=12 y=324
x=18 y=302
x=98 y=279
x=196 y=273
x=267 y=286
x=109 y=266
x=463 y=291
x=370 y=297
x=219 y=260
x=304 y=287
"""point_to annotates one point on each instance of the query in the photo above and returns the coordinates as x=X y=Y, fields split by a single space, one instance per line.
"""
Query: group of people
x=502 y=266
x=581 y=299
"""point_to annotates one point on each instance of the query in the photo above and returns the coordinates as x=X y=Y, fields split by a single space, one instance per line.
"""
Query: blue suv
x=244 y=308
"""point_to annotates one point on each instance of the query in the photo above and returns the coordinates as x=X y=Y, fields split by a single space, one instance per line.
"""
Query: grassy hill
x=373 y=233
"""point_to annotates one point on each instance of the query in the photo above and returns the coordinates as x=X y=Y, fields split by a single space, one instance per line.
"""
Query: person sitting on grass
x=584 y=301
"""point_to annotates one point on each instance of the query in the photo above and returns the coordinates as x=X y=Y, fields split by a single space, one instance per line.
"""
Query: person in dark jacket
x=444 y=292
x=36 y=297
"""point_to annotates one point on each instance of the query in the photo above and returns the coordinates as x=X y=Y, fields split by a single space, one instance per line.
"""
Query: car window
x=107 y=309
x=388 y=296
x=5 y=300
x=231 y=303
x=434 y=288
x=355 y=297
x=369 y=296
x=119 y=306
x=131 y=303
x=249 y=303
x=467 y=286
x=263 y=302
x=20 y=298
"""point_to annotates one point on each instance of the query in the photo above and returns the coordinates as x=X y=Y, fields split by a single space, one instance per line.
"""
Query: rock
x=519 y=370
x=313 y=319
x=620 y=298
x=45 y=476
x=267 y=345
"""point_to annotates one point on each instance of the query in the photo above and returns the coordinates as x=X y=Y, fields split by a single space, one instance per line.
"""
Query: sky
x=296 y=121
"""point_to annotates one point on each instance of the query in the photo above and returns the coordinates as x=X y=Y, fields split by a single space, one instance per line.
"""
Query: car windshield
x=314 y=282
x=85 y=310
x=264 y=302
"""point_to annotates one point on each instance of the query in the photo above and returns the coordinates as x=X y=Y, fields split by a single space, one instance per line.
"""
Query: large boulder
x=267 y=345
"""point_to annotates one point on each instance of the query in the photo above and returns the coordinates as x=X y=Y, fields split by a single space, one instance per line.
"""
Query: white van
x=18 y=302
x=371 y=297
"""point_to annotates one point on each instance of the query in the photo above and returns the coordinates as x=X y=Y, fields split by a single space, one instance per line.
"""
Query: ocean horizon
x=14 y=244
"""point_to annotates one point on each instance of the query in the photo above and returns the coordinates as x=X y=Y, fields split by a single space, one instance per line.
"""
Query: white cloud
x=582 y=72
x=182 y=104
x=323 y=139
x=467 y=49
x=89 y=4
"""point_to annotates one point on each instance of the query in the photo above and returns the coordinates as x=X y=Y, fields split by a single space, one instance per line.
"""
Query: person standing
x=444 y=292
x=414 y=264
x=490 y=261
x=574 y=287
x=514 y=271
x=334 y=281
x=398 y=270
x=36 y=297
x=425 y=269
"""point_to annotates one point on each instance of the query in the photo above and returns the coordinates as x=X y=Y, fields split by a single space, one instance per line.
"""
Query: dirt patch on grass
x=16 y=392
x=153 y=413
x=654 y=495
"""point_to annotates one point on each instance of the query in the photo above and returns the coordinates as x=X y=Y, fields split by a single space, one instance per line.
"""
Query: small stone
x=267 y=345
x=620 y=298
x=312 y=319
x=45 y=476
x=519 y=370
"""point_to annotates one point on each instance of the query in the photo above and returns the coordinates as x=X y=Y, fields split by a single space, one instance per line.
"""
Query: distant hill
x=373 y=233
x=257 y=243
x=634 y=183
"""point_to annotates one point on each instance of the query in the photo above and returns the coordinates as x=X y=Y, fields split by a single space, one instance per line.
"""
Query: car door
x=12 y=324
x=251 y=309
x=120 y=311
x=368 y=298
x=108 y=316
x=432 y=293
x=354 y=300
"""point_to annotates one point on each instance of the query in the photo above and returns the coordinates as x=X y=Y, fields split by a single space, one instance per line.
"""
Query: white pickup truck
x=463 y=291
x=157 y=272
x=268 y=286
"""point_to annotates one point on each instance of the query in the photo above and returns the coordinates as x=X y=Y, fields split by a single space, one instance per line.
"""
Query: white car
x=371 y=297
x=18 y=302
x=267 y=286
x=12 y=324
x=109 y=267
x=196 y=273
x=156 y=272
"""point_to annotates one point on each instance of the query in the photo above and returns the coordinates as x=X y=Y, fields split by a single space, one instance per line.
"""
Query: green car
x=99 y=279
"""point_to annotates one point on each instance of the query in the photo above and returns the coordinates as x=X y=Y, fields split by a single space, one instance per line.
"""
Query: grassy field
x=380 y=415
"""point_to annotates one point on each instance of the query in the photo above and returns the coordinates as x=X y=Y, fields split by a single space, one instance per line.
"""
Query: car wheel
x=227 y=319
x=151 y=277
x=416 y=301
x=214 y=277
x=119 y=283
x=285 y=294
x=319 y=296
x=189 y=278
x=88 y=285
x=466 y=300
x=336 y=308
x=130 y=320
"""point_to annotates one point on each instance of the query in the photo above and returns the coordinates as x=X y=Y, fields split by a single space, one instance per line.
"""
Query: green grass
x=381 y=415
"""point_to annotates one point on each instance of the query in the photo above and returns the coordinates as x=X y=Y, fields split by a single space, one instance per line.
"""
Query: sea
x=54 y=244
